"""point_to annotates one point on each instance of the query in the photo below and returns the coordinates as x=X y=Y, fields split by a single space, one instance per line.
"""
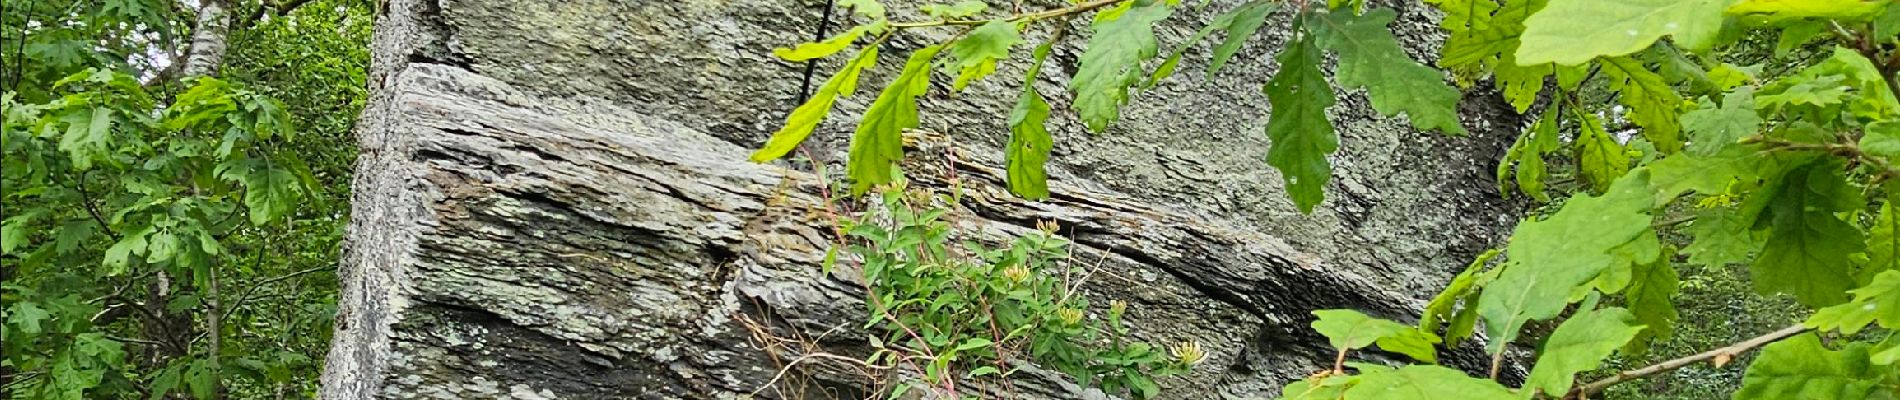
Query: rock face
x=554 y=203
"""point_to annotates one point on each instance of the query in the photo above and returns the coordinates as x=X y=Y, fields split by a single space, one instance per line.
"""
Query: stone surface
x=553 y=202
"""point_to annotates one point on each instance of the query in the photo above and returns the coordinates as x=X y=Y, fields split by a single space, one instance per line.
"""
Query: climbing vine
x=1663 y=144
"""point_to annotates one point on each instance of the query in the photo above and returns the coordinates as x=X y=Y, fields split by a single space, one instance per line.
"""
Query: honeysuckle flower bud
x=1017 y=273
x=1069 y=316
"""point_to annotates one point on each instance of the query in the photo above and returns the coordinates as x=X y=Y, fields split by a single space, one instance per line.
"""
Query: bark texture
x=553 y=203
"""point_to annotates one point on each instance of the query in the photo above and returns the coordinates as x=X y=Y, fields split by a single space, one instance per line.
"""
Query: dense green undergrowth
x=1662 y=143
x=171 y=236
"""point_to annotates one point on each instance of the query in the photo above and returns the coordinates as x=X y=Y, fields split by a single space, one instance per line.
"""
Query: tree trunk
x=553 y=202
x=208 y=38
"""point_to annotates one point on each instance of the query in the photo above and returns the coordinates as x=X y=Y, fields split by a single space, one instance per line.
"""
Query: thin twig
x=1719 y=356
x=795 y=361
x=1848 y=150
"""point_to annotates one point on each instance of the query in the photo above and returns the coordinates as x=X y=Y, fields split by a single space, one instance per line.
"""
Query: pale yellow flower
x=1188 y=353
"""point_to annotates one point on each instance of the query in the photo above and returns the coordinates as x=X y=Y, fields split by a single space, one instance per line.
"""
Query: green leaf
x=1879 y=301
x=1800 y=368
x=201 y=378
x=1722 y=237
x=1348 y=329
x=1440 y=309
x=803 y=120
x=1466 y=15
x=898 y=392
x=1882 y=139
x=1673 y=175
x=1818 y=91
x=270 y=193
x=13 y=234
x=976 y=53
x=867 y=8
x=1143 y=386
x=1121 y=41
x=1651 y=299
x=27 y=316
x=88 y=136
x=166 y=381
x=1887 y=352
x=1580 y=344
x=808 y=51
x=1328 y=388
x=1247 y=20
x=1652 y=102
x=1239 y=25
x=1887 y=25
x=1528 y=154
x=973 y=344
x=879 y=142
x=1808 y=247
x=1883 y=240
x=1488 y=39
x=119 y=256
x=1570 y=32
x=1601 y=158
x=1712 y=128
x=1644 y=249
x=1554 y=255
x=1425 y=382
x=959 y=10
x=1414 y=343
x=1796 y=33
x=1029 y=139
x=1835 y=9
x=97 y=346
x=1370 y=58
x=1301 y=135
x=161 y=247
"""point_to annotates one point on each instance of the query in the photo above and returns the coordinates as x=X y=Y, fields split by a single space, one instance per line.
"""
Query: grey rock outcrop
x=553 y=202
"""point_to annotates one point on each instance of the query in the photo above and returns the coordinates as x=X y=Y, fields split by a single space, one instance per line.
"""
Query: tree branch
x=281 y=9
x=1719 y=356
x=1848 y=150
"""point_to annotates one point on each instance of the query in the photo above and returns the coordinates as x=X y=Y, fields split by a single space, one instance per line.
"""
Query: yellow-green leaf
x=806 y=117
x=815 y=50
x=1836 y=9
x=1425 y=382
x=1029 y=140
x=1570 y=32
x=878 y=144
